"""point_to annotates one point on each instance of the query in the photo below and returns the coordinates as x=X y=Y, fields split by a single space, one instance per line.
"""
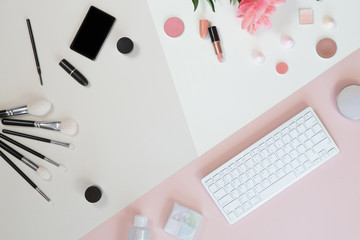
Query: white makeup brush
x=38 y=108
x=41 y=171
x=68 y=127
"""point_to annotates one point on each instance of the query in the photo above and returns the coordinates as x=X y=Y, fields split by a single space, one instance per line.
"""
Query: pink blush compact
x=174 y=27
x=282 y=67
x=326 y=48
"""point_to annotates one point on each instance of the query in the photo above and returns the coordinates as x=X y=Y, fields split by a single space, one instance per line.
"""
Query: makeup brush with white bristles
x=68 y=127
x=41 y=171
x=38 y=108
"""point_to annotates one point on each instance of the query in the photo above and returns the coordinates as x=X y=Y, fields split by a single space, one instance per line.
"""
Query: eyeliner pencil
x=34 y=49
x=24 y=176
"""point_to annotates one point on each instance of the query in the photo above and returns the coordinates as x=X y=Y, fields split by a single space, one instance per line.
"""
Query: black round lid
x=125 y=45
x=93 y=194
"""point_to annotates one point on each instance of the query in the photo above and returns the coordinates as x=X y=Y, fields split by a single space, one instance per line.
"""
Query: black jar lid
x=125 y=45
x=93 y=194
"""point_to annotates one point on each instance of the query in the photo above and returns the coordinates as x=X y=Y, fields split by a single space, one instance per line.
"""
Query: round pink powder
x=174 y=27
x=282 y=68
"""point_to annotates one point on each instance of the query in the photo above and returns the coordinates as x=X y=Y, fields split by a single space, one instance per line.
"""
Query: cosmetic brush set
x=38 y=108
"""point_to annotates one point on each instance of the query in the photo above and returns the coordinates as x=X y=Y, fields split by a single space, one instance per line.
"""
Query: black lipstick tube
x=70 y=69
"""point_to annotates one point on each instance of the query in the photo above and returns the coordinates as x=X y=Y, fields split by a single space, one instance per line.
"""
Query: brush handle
x=16 y=143
x=10 y=150
x=19 y=134
x=17 y=170
x=14 y=122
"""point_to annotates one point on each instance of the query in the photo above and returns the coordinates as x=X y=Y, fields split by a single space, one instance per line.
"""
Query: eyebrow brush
x=34 y=49
x=24 y=176
x=41 y=171
x=41 y=139
x=16 y=143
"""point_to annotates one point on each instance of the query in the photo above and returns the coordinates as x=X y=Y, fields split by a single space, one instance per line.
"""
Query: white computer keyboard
x=270 y=165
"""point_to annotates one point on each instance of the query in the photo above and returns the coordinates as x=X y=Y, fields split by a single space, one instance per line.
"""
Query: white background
x=220 y=98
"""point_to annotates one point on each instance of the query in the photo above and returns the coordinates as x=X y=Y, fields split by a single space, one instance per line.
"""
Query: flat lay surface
x=161 y=107
x=322 y=205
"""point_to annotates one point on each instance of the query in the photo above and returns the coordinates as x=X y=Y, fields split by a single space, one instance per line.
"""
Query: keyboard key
x=264 y=154
x=256 y=158
x=281 y=183
x=255 y=200
x=209 y=182
x=308 y=144
x=264 y=174
x=242 y=188
x=301 y=149
x=280 y=173
x=279 y=164
x=318 y=137
x=309 y=133
x=235 y=194
x=302 y=138
x=308 y=115
x=213 y=188
x=231 y=216
x=219 y=194
x=251 y=193
x=228 y=178
x=323 y=144
x=249 y=163
x=239 y=211
x=250 y=184
x=228 y=188
x=265 y=183
x=316 y=128
x=242 y=178
x=232 y=206
x=273 y=158
x=246 y=206
x=250 y=172
x=295 y=163
x=225 y=200
x=271 y=148
x=310 y=122
x=299 y=170
x=216 y=177
x=257 y=179
x=234 y=173
x=301 y=128
x=272 y=178
x=258 y=188
x=272 y=169
x=308 y=164
x=265 y=163
x=242 y=169
x=220 y=183
x=236 y=183
x=287 y=168
x=287 y=148
x=243 y=198
x=258 y=168
x=300 y=120
x=287 y=138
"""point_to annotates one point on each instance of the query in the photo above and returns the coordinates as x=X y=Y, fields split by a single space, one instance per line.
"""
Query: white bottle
x=139 y=230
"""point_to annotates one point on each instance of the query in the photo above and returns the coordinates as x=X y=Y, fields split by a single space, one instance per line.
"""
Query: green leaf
x=211 y=4
x=196 y=4
x=239 y=1
x=230 y=1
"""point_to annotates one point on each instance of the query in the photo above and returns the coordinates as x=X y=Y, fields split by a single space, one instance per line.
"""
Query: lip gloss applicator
x=214 y=36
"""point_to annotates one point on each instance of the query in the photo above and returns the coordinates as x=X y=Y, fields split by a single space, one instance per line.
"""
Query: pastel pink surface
x=174 y=27
x=323 y=205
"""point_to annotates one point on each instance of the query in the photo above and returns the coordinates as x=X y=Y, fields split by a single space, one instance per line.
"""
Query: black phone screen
x=92 y=33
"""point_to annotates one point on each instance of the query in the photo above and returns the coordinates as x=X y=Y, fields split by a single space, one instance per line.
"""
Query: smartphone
x=92 y=33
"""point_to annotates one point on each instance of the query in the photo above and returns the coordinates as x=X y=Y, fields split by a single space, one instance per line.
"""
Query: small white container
x=139 y=230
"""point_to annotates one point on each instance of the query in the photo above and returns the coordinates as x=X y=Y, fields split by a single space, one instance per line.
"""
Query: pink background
x=323 y=205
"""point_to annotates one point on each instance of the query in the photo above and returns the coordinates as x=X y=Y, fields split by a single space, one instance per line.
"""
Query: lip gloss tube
x=214 y=36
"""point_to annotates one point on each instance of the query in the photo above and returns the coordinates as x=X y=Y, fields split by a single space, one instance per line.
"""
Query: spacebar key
x=277 y=186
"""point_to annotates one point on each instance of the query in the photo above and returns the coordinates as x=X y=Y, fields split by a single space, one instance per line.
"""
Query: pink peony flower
x=256 y=13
